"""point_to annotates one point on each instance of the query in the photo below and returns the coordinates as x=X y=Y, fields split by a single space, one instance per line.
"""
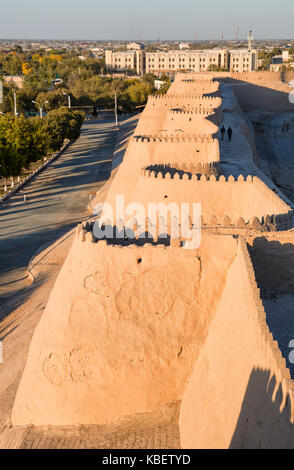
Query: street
x=56 y=200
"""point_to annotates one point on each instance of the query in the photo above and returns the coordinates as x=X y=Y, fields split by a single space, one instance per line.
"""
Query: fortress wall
x=257 y=77
x=262 y=90
x=159 y=122
x=273 y=261
x=288 y=75
x=157 y=116
x=199 y=123
x=118 y=336
x=249 y=199
x=183 y=103
x=240 y=394
x=194 y=83
x=162 y=150
x=180 y=99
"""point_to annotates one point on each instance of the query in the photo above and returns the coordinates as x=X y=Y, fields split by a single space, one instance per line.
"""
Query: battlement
x=208 y=169
x=192 y=112
x=191 y=96
x=272 y=348
x=225 y=195
x=176 y=138
x=222 y=179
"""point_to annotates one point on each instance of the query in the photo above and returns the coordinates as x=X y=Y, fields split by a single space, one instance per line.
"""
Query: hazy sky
x=147 y=19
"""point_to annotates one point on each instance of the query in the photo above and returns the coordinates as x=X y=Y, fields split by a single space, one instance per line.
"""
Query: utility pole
x=210 y=35
x=69 y=99
x=222 y=36
x=115 y=108
x=15 y=106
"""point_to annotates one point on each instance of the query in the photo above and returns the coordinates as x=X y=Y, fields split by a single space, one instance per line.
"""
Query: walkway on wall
x=237 y=156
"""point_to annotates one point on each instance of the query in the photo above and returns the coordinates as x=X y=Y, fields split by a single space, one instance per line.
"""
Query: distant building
x=235 y=60
x=184 y=45
x=243 y=60
x=197 y=61
x=17 y=80
x=158 y=84
x=135 y=46
x=285 y=55
x=278 y=61
x=125 y=60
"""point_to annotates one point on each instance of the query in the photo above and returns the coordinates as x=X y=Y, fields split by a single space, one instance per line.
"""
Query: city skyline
x=127 y=21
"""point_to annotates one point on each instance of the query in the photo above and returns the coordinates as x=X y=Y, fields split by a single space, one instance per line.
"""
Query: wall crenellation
x=176 y=138
x=180 y=96
x=177 y=176
x=271 y=346
x=198 y=111
x=196 y=168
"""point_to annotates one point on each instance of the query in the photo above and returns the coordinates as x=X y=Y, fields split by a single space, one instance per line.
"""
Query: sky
x=145 y=19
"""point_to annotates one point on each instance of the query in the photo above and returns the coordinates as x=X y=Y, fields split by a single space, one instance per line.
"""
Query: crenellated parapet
x=221 y=179
x=190 y=96
x=271 y=347
x=192 y=112
x=176 y=138
x=207 y=169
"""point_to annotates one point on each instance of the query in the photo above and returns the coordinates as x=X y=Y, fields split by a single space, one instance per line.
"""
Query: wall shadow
x=273 y=266
x=261 y=423
x=252 y=96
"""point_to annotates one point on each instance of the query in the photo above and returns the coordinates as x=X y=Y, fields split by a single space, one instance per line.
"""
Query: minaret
x=237 y=34
x=250 y=41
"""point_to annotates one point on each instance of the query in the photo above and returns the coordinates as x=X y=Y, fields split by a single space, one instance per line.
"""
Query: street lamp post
x=15 y=106
x=41 y=107
x=115 y=108
x=69 y=99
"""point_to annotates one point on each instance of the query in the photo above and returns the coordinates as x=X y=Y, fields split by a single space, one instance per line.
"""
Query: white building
x=183 y=46
x=125 y=60
x=135 y=46
x=236 y=60
x=242 y=60
x=198 y=61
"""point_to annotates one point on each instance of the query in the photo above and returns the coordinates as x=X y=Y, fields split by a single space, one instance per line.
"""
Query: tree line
x=27 y=140
x=81 y=77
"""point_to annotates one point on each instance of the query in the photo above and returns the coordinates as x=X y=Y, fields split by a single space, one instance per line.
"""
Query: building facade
x=197 y=61
x=135 y=46
x=237 y=60
x=242 y=60
x=125 y=60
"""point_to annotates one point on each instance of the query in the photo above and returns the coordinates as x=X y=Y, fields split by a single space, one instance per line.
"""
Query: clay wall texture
x=130 y=328
x=240 y=393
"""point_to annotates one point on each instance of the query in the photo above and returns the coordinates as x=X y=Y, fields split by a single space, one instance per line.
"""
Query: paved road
x=56 y=201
